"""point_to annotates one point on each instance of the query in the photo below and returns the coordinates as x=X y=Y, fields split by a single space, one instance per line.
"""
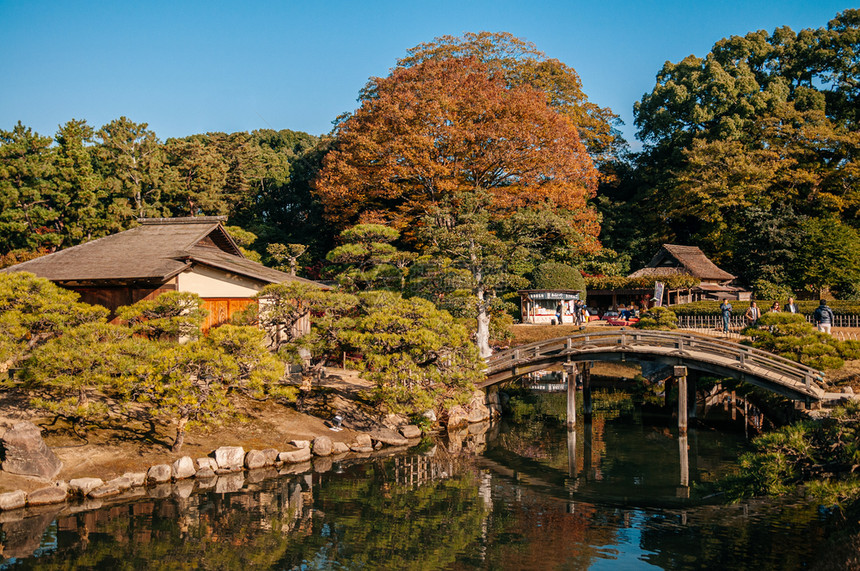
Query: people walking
x=726 y=310
x=823 y=317
x=791 y=307
x=752 y=314
x=559 y=312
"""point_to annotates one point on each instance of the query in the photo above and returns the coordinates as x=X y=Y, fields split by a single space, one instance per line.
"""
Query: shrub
x=553 y=275
x=658 y=318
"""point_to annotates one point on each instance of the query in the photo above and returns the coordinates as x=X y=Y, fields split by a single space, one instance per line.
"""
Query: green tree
x=368 y=258
x=171 y=315
x=789 y=335
x=289 y=253
x=552 y=275
x=26 y=213
x=418 y=358
x=829 y=256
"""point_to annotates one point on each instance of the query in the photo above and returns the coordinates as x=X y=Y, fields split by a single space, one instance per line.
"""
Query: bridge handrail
x=741 y=353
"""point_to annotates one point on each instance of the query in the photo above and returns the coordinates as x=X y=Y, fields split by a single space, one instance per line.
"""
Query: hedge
x=622 y=282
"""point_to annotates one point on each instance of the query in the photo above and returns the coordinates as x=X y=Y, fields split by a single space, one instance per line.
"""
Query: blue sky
x=189 y=67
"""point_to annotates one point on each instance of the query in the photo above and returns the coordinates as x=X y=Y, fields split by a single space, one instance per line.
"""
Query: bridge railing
x=740 y=356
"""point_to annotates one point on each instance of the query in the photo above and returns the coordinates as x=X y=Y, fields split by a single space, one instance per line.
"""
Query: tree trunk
x=180 y=434
x=482 y=335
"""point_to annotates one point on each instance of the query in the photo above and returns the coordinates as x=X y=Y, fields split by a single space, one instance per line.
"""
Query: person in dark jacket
x=823 y=317
x=791 y=307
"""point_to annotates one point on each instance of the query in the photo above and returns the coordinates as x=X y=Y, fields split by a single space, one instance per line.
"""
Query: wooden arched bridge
x=712 y=356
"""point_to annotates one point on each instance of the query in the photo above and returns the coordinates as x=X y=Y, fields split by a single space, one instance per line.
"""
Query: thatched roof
x=689 y=260
x=153 y=252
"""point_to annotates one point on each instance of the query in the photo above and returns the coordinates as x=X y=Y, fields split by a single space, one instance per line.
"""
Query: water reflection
x=528 y=494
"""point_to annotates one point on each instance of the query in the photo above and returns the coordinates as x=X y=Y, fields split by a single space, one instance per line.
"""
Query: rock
x=83 y=486
x=25 y=453
x=230 y=457
x=182 y=468
x=48 y=495
x=493 y=396
x=265 y=473
x=299 y=468
x=360 y=448
x=388 y=437
x=122 y=483
x=254 y=459
x=183 y=489
x=204 y=473
x=300 y=455
x=410 y=431
x=457 y=417
x=159 y=474
x=204 y=463
x=429 y=415
x=340 y=448
x=363 y=440
x=13 y=500
x=477 y=409
x=104 y=492
x=206 y=483
x=160 y=491
x=271 y=455
x=322 y=446
x=394 y=421
x=137 y=479
x=300 y=443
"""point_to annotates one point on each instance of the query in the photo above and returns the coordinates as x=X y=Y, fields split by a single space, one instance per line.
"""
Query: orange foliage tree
x=442 y=127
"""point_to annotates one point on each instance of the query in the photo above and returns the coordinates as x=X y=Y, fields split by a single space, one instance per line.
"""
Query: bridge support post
x=692 y=389
x=680 y=375
x=570 y=373
x=586 y=388
x=571 y=452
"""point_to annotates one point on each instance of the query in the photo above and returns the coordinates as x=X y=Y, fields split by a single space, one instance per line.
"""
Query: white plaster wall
x=210 y=282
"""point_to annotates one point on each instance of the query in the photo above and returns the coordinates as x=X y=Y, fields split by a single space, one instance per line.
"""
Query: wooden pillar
x=684 y=451
x=692 y=388
x=571 y=452
x=570 y=373
x=681 y=377
x=586 y=388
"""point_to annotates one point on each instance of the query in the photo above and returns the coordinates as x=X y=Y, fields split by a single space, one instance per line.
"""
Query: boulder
x=457 y=417
x=255 y=459
x=271 y=455
x=388 y=437
x=229 y=483
x=158 y=474
x=361 y=449
x=25 y=453
x=183 y=489
x=122 y=483
x=410 y=431
x=363 y=440
x=477 y=408
x=13 y=500
x=207 y=463
x=322 y=465
x=47 y=495
x=429 y=415
x=182 y=468
x=322 y=446
x=230 y=457
x=83 y=486
x=104 y=492
x=340 y=448
x=295 y=456
x=204 y=473
x=137 y=479
x=300 y=443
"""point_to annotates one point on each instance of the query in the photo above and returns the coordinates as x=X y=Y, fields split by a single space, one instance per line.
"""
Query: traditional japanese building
x=194 y=254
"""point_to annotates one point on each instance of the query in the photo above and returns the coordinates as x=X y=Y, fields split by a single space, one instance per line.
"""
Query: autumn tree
x=519 y=62
x=448 y=126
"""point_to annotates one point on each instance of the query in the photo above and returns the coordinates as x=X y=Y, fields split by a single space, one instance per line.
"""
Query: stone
x=322 y=446
x=206 y=483
x=25 y=453
x=477 y=409
x=261 y=474
x=322 y=465
x=104 y=492
x=230 y=457
x=340 y=448
x=122 y=483
x=204 y=463
x=363 y=440
x=137 y=479
x=388 y=437
x=182 y=468
x=271 y=455
x=159 y=474
x=298 y=468
x=160 y=491
x=410 y=431
x=295 y=456
x=204 y=473
x=183 y=489
x=83 y=486
x=457 y=417
x=429 y=415
x=300 y=443
x=361 y=449
x=47 y=495
x=254 y=459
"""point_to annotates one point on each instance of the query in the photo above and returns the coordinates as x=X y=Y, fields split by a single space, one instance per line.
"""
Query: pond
x=622 y=491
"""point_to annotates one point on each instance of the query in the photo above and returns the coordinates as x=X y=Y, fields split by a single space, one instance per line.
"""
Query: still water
x=620 y=492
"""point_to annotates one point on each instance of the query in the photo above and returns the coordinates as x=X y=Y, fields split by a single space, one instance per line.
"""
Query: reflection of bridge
x=712 y=356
